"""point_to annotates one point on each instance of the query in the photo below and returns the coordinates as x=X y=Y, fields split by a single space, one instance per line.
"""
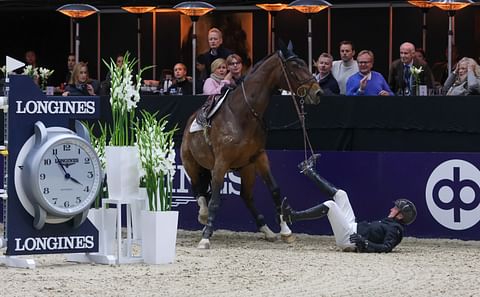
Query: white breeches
x=342 y=219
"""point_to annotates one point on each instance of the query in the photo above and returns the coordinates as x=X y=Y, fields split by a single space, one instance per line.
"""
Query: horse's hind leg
x=263 y=167
x=247 y=174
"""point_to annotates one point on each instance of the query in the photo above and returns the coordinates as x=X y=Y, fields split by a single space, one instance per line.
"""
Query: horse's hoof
x=203 y=211
x=204 y=244
x=269 y=235
x=288 y=238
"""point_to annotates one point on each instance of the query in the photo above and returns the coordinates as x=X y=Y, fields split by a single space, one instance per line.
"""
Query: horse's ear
x=290 y=46
x=285 y=50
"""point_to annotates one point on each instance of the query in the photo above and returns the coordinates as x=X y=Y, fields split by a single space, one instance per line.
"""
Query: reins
x=301 y=113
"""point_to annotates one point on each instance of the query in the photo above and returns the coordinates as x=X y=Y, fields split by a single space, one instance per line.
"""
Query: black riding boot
x=290 y=215
x=306 y=167
x=326 y=187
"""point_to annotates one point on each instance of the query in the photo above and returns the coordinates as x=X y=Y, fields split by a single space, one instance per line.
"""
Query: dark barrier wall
x=421 y=124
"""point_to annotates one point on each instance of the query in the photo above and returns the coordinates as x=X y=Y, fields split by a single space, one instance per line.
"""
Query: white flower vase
x=106 y=226
x=137 y=207
x=159 y=236
x=123 y=174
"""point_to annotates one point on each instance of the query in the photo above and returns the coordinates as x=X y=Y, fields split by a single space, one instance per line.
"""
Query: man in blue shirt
x=367 y=82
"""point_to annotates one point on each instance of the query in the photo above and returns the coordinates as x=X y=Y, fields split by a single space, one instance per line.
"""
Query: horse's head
x=298 y=77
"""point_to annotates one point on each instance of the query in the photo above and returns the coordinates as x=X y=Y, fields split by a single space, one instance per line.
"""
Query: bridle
x=303 y=89
x=301 y=92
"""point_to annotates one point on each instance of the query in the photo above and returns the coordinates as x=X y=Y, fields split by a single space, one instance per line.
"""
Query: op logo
x=453 y=194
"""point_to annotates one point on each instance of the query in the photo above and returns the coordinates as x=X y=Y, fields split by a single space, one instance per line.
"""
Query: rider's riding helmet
x=407 y=209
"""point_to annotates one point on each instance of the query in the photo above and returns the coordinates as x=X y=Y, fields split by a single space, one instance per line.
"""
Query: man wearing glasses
x=367 y=82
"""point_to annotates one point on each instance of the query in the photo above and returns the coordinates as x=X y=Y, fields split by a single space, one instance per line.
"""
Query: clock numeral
x=86 y=160
x=54 y=151
x=66 y=203
x=47 y=162
x=90 y=174
x=66 y=147
x=78 y=200
x=86 y=189
x=79 y=151
x=46 y=190
x=42 y=176
x=55 y=200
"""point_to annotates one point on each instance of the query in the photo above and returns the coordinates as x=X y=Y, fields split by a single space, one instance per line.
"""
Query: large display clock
x=59 y=175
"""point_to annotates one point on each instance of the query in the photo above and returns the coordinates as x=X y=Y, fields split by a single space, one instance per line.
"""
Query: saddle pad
x=195 y=126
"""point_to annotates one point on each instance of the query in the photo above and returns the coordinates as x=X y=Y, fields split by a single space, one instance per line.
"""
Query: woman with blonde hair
x=218 y=78
x=80 y=83
x=464 y=80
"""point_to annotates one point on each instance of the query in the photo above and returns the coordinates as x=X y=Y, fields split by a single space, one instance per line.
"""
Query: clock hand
x=61 y=166
x=75 y=180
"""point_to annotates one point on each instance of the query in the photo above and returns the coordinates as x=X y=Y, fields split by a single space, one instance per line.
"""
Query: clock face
x=68 y=176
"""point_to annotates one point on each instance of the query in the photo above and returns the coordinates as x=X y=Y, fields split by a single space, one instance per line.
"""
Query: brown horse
x=237 y=138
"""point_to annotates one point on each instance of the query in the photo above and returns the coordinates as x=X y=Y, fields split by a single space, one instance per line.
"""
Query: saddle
x=206 y=112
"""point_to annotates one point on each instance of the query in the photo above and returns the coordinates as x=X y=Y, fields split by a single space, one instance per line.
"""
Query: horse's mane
x=257 y=65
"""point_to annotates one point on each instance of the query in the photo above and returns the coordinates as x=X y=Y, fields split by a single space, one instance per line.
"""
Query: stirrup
x=308 y=164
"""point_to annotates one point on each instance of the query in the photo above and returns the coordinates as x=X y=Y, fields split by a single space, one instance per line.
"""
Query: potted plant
x=157 y=158
x=121 y=154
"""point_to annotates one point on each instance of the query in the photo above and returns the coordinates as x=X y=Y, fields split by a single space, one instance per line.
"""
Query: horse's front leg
x=263 y=167
x=247 y=173
x=218 y=174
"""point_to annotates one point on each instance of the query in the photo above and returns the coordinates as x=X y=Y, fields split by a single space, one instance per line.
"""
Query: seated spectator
x=400 y=75
x=464 y=80
x=235 y=67
x=70 y=65
x=367 y=82
x=80 y=83
x=420 y=55
x=218 y=78
x=201 y=73
x=324 y=76
x=181 y=83
x=107 y=83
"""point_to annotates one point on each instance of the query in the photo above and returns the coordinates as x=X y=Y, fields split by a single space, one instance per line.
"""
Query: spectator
x=107 y=83
x=346 y=67
x=400 y=75
x=201 y=71
x=367 y=82
x=70 y=65
x=420 y=55
x=464 y=80
x=181 y=83
x=215 y=41
x=80 y=83
x=324 y=76
x=440 y=69
x=31 y=58
x=235 y=67
x=218 y=78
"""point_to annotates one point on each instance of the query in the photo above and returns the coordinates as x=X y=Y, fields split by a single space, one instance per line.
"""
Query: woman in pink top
x=218 y=78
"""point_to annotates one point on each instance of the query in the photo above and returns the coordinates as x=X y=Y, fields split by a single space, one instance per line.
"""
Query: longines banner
x=27 y=105
x=444 y=186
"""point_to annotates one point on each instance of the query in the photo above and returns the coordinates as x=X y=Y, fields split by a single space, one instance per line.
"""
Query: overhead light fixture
x=309 y=7
x=272 y=9
x=194 y=9
x=76 y=12
x=138 y=9
x=451 y=6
